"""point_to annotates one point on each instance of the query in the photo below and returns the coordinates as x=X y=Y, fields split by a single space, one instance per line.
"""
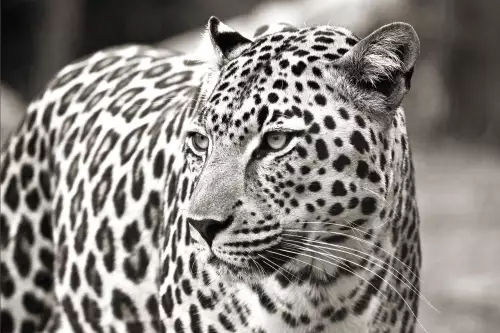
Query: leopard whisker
x=293 y=249
x=301 y=261
x=351 y=249
x=406 y=281
x=346 y=248
x=359 y=239
x=259 y=267
x=284 y=261
x=361 y=266
x=276 y=268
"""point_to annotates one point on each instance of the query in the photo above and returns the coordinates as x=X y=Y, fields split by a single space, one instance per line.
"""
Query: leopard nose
x=209 y=228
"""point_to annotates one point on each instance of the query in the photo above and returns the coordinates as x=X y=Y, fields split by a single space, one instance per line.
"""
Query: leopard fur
x=143 y=191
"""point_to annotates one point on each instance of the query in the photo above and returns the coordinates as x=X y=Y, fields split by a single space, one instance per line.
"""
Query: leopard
x=254 y=185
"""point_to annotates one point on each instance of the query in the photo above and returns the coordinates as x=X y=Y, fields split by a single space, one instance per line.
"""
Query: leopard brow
x=287 y=126
x=284 y=129
x=195 y=128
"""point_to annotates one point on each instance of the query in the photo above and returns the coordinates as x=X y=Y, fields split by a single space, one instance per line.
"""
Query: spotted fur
x=115 y=220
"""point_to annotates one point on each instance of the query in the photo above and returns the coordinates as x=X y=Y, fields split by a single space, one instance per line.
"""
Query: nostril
x=209 y=228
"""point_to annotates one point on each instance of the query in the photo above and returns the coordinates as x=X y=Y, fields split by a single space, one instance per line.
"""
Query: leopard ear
x=383 y=62
x=221 y=43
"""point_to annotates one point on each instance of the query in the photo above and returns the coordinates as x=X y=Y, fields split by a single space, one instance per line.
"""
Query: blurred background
x=453 y=109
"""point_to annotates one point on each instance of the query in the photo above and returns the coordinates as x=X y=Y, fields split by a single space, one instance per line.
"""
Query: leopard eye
x=200 y=142
x=276 y=140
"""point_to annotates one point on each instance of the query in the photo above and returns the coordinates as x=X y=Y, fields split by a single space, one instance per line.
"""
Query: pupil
x=201 y=141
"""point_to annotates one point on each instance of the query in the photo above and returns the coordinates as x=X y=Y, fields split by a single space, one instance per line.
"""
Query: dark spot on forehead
x=324 y=33
x=300 y=53
x=268 y=70
x=314 y=129
x=284 y=63
x=302 y=151
x=261 y=118
x=308 y=117
x=338 y=189
x=350 y=41
x=321 y=149
x=315 y=186
x=325 y=40
x=342 y=50
x=265 y=57
x=272 y=98
x=296 y=111
x=330 y=56
x=277 y=38
x=299 y=68
x=280 y=84
x=319 y=47
x=300 y=188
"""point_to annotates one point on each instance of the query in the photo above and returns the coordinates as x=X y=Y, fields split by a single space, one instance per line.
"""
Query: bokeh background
x=453 y=109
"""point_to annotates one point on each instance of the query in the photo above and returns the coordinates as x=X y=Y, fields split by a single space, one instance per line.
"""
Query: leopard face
x=291 y=151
